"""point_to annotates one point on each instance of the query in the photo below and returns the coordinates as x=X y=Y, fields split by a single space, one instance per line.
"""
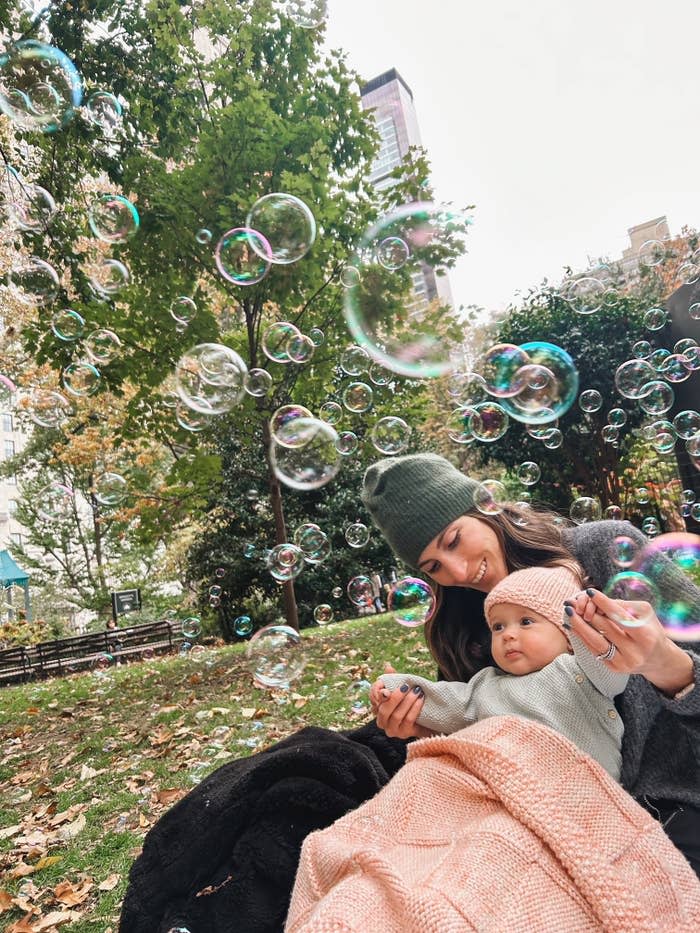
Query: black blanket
x=224 y=858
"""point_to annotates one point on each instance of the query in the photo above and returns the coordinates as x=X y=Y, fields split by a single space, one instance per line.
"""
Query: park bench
x=15 y=665
x=68 y=655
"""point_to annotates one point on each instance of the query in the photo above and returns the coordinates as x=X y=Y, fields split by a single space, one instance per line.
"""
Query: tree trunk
x=290 y=602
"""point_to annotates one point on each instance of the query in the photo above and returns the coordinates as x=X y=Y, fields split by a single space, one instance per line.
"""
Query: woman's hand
x=633 y=627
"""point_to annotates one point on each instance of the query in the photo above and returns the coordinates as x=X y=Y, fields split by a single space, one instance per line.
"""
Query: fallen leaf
x=169 y=795
x=86 y=772
x=71 y=895
x=22 y=926
x=143 y=821
x=9 y=831
x=247 y=712
x=21 y=869
x=6 y=901
x=46 y=861
x=109 y=883
x=54 y=919
x=72 y=829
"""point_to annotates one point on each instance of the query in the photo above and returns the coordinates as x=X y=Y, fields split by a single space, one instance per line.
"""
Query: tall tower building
x=390 y=100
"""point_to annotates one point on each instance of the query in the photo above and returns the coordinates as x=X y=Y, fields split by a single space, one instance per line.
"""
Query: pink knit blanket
x=503 y=827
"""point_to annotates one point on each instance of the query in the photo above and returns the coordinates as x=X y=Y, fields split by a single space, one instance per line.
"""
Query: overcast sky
x=564 y=122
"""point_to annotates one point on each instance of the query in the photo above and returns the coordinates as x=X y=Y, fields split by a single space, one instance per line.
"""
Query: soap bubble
x=655 y=318
x=687 y=423
x=331 y=412
x=694 y=311
x=185 y=648
x=285 y=562
x=688 y=496
x=457 y=426
x=300 y=348
x=360 y=591
x=107 y=278
x=110 y=489
x=275 y=656
x=276 y=339
x=390 y=435
x=55 y=502
x=412 y=602
x=209 y=378
x=529 y=473
x=500 y=369
x=313 y=460
x=337 y=592
x=81 y=379
x=642 y=495
x=203 y=236
x=283 y=417
x=658 y=398
x=189 y=419
x=191 y=627
x=651 y=253
x=257 y=382
x=287 y=226
x=32 y=208
x=617 y=417
x=102 y=346
x=553 y=439
x=632 y=378
x=551 y=385
x=33 y=281
x=664 y=437
x=323 y=614
x=349 y=276
x=392 y=253
x=242 y=626
x=67 y=324
x=318 y=337
x=388 y=310
x=634 y=586
x=585 y=509
x=354 y=360
x=613 y=513
x=252 y=494
x=183 y=310
x=585 y=295
x=243 y=256
x=215 y=590
x=676 y=368
x=642 y=349
x=46 y=408
x=623 y=551
x=309 y=14
x=685 y=343
x=678 y=613
x=357 y=397
x=313 y=542
x=113 y=218
x=590 y=400
x=658 y=358
x=488 y=422
x=40 y=87
x=490 y=497
x=610 y=433
x=347 y=443
x=102 y=109
x=651 y=526
x=357 y=534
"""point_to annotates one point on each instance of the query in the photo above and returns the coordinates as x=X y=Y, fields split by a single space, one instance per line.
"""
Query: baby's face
x=523 y=641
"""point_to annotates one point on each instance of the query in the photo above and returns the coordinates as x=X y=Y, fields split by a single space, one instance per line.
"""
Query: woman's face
x=465 y=553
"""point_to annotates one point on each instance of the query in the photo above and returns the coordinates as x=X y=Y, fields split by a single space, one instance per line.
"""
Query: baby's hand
x=378 y=692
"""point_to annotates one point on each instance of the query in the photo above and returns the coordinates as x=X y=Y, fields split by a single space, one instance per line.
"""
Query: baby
x=544 y=675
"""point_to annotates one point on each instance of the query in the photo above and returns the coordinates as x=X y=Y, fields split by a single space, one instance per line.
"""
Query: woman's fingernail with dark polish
x=417 y=690
x=590 y=592
x=567 y=602
x=569 y=611
x=566 y=626
x=404 y=688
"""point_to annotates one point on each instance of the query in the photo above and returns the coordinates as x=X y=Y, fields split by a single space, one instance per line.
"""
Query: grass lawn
x=91 y=761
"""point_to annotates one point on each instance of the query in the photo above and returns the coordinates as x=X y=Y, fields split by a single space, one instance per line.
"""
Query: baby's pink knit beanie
x=542 y=589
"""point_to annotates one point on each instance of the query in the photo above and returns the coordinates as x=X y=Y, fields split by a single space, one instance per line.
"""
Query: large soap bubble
x=633 y=377
x=312 y=461
x=287 y=226
x=33 y=281
x=243 y=256
x=113 y=218
x=402 y=316
x=275 y=656
x=551 y=385
x=412 y=601
x=677 y=611
x=40 y=87
x=209 y=378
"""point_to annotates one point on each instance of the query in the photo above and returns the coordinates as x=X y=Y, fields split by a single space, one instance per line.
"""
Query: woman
x=230 y=848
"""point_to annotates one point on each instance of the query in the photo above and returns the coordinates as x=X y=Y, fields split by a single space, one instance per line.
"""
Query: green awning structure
x=11 y=574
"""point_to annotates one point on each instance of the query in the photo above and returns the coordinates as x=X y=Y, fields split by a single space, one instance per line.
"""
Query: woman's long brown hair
x=457 y=634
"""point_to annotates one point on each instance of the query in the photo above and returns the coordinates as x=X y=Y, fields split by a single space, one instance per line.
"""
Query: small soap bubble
x=300 y=348
x=285 y=562
x=688 y=496
x=658 y=398
x=46 y=408
x=694 y=311
x=331 y=412
x=242 y=626
x=314 y=543
x=357 y=397
x=617 y=417
x=215 y=590
x=633 y=586
x=357 y=534
x=257 y=382
x=651 y=527
x=113 y=218
x=585 y=295
x=664 y=438
x=103 y=110
x=110 y=489
x=359 y=591
x=191 y=627
x=101 y=346
x=312 y=461
x=655 y=318
x=676 y=368
x=642 y=349
x=390 y=435
x=280 y=422
x=553 y=439
x=490 y=497
x=678 y=615
x=392 y=253
x=590 y=400
x=317 y=336
x=349 y=276
x=55 y=502
x=550 y=385
x=412 y=602
x=33 y=281
x=287 y=226
x=183 y=310
x=354 y=361
x=243 y=256
x=209 y=378
x=642 y=495
x=685 y=343
x=658 y=358
x=488 y=422
x=378 y=375
x=610 y=434
x=190 y=420
x=632 y=377
x=81 y=379
x=500 y=369
x=347 y=443
x=203 y=236
x=67 y=325
x=337 y=592
x=32 y=209
x=613 y=513
x=585 y=509
x=275 y=656
x=276 y=340
x=529 y=473
x=252 y=494
x=107 y=278
x=323 y=614
x=623 y=551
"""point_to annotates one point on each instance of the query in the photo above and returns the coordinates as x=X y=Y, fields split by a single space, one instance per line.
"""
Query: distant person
x=377 y=583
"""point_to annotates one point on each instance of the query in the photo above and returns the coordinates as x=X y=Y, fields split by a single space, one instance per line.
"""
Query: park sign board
x=125 y=601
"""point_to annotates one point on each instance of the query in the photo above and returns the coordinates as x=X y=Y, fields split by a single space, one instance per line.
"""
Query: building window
x=11 y=506
x=389 y=155
x=9 y=449
x=7 y=424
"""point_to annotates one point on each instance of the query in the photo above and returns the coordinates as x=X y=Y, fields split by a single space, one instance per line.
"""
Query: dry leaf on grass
x=109 y=883
x=6 y=902
x=72 y=895
x=65 y=833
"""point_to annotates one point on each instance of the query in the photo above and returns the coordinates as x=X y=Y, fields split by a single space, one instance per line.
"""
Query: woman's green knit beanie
x=411 y=499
